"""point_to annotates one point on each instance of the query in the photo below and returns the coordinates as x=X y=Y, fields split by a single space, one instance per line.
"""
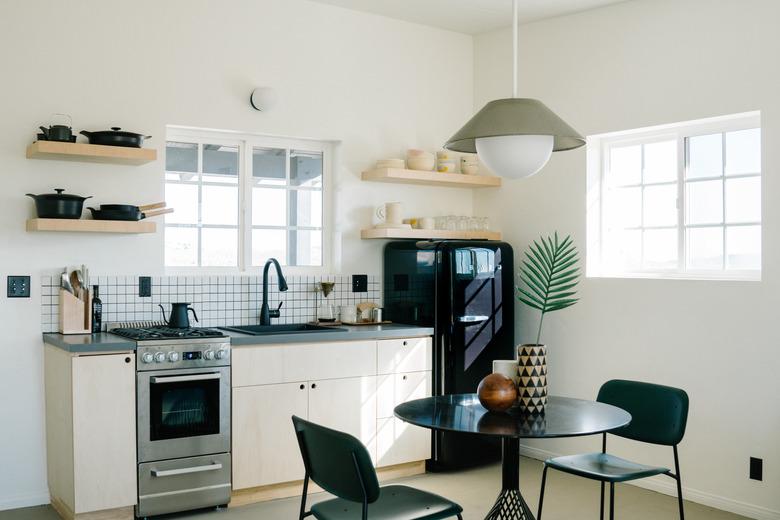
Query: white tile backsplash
x=218 y=300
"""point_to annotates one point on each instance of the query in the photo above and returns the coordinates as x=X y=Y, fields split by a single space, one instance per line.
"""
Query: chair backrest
x=328 y=457
x=658 y=413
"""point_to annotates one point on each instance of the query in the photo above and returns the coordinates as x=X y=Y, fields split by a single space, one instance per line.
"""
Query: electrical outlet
x=359 y=283
x=756 y=468
x=144 y=286
x=18 y=286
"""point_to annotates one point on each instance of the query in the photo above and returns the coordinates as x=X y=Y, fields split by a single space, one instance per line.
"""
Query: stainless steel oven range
x=183 y=421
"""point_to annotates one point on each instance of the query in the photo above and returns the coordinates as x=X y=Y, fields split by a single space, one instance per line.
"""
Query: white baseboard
x=667 y=486
x=24 y=501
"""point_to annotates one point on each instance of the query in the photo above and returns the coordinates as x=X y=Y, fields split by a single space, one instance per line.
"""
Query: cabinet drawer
x=260 y=365
x=394 y=389
x=404 y=355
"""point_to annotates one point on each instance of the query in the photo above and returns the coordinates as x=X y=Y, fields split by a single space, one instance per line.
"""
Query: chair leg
x=678 y=478
x=460 y=517
x=303 y=497
x=541 y=493
x=611 y=501
x=601 y=509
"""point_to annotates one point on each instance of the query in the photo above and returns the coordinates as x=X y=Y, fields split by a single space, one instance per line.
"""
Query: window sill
x=742 y=276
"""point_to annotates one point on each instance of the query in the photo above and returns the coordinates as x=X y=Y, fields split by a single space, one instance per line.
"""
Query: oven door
x=183 y=413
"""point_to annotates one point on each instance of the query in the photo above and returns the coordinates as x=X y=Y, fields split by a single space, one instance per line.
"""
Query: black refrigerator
x=465 y=291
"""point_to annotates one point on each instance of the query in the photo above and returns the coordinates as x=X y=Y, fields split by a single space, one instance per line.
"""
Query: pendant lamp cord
x=515 y=18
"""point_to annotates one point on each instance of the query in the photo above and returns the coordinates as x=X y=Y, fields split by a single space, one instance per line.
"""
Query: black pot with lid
x=59 y=204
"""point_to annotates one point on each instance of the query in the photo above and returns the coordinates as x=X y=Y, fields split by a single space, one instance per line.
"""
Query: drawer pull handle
x=314 y=385
x=404 y=378
x=184 y=471
x=127 y=360
x=303 y=386
x=406 y=343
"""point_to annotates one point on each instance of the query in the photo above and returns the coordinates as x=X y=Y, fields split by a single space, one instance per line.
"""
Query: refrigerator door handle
x=472 y=319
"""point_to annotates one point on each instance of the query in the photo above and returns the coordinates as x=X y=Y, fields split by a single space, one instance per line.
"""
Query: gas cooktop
x=149 y=333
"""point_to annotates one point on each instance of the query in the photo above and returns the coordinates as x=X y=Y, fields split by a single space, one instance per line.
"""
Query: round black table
x=563 y=417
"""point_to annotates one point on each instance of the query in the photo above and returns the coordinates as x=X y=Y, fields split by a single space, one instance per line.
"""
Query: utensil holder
x=75 y=314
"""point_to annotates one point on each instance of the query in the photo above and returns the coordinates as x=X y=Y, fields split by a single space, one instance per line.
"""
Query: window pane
x=743 y=200
x=660 y=162
x=624 y=250
x=306 y=208
x=181 y=246
x=220 y=205
x=268 y=166
x=625 y=165
x=705 y=202
x=743 y=247
x=219 y=247
x=220 y=163
x=660 y=205
x=743 y=151
x=181 y=157
x=705 y=248
x=269 y=243
x=625 y=209
x=305 y=168
x=184 y=199
x=305 y=247
x=660 y=248
x=705 y=156
x=269 y=207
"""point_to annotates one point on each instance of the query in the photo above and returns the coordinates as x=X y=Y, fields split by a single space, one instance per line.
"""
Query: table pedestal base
x=510 y=504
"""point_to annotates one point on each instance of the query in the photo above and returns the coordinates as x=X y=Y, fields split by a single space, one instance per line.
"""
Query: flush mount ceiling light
x=515 y=137
x=263 y=98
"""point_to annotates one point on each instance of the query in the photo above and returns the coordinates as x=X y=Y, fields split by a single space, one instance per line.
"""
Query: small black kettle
x=180 y=317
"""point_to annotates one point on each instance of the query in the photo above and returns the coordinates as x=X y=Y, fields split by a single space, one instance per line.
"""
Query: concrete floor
x=567 y=498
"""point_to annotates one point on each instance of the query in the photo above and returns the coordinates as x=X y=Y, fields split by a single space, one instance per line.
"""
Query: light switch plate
x=359 y=283
x=18 y=287
x=144 y=286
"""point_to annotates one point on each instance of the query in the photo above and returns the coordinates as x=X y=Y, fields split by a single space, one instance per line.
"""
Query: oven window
x=184 y=409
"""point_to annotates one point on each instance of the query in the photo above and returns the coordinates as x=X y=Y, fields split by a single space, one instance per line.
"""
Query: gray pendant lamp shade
x=515 y=116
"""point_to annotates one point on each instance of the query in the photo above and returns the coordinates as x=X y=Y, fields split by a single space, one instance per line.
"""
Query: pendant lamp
x=515 y=137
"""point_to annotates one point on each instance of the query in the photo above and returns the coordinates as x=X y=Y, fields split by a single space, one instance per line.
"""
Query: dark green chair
x=341 y=465
x=658 y=416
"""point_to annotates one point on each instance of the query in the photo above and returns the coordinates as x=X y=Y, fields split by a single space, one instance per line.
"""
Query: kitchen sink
x=295 y=328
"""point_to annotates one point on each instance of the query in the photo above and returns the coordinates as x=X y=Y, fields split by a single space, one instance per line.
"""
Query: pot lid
x=60 y=195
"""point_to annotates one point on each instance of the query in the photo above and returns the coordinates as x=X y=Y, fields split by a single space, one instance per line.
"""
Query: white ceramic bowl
x=420 y=160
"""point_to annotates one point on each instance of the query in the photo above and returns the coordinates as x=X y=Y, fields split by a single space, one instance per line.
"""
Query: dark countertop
x=86 y=343
x=106 y=342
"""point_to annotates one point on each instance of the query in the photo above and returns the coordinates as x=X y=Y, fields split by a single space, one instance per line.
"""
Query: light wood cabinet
x=265 y=448
x=90 y=432
x=351 y=386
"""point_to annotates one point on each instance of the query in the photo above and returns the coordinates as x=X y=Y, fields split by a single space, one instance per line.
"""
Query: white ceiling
x=468 y=16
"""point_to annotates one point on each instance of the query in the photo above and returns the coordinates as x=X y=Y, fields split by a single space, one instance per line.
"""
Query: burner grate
x=164 y=332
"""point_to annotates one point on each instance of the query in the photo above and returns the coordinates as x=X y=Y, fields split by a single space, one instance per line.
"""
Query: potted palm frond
x=548 y=277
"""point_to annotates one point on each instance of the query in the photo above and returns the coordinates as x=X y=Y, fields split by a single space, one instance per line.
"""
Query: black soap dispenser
x=97 y=310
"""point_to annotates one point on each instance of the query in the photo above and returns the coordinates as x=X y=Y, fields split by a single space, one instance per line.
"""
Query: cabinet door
x=347 y=405
x=265 y=448
x=404 y=355
x=399 y=442
x=104 y=455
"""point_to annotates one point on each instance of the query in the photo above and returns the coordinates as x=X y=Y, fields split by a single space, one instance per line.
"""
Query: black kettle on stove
x=180 y=315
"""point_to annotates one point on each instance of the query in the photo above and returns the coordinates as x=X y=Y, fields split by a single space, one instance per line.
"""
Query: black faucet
x=265 y=314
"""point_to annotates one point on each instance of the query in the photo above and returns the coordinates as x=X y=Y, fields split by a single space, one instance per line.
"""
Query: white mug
x=390 y=212
x=349 y=313
x=507 y=368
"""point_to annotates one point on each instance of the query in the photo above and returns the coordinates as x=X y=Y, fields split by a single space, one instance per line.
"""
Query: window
x=677 y=201
x=241 y=199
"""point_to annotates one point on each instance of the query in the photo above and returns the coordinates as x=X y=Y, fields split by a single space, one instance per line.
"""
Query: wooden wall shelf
x=451 y=180
x=424 y=234
x=90 y=152
x=90 y=226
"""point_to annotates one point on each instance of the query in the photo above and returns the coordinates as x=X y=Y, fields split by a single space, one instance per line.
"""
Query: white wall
x=378 y=85
x=632 y=65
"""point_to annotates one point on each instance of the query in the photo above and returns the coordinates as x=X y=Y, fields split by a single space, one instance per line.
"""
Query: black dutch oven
x=116 y=137
x=58 y=205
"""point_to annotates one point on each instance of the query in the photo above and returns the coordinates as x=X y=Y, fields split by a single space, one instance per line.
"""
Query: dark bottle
x=97 y=310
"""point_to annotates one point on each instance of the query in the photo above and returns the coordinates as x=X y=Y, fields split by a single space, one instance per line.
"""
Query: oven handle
x=182 y=379
x=184 y=471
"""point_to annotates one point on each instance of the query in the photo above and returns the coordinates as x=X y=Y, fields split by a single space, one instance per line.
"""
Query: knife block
x=75 y=314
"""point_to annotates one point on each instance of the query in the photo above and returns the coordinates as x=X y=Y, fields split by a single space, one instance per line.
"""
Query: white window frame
x=598 y=147
x=246 y=142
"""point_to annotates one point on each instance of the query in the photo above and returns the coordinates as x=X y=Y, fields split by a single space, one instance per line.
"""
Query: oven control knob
x=148 y=357
x=222 y=353
x=173 y=357
x=159 y=357
x=208 y=355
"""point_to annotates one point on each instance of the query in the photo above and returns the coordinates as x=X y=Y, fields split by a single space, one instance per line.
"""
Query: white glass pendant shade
x=515 y=156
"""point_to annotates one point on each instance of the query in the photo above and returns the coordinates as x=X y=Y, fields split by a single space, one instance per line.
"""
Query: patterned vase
x=532 y=372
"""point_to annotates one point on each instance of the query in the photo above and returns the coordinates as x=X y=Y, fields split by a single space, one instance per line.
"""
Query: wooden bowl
x=497 y=393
